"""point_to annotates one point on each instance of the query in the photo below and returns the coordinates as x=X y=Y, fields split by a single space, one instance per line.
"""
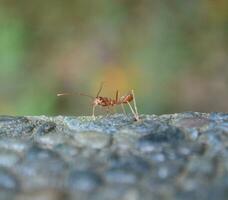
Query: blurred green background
x=174 y=54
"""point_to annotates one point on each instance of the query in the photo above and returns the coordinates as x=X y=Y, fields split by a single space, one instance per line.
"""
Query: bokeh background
x=174 y=54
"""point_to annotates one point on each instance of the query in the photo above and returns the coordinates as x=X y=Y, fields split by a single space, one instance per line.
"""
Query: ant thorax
x=104 y=101
x=97 y=101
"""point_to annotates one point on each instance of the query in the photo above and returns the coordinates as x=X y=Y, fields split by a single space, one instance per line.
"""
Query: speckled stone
x=177 y=156
x=94 y=140
x=86 y=181
x=8 y=158
x=8 y=180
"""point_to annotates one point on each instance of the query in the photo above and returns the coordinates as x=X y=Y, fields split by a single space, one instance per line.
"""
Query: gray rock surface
x=178 y=156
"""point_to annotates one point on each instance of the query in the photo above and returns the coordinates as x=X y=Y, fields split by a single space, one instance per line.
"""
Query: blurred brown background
x=174 y=54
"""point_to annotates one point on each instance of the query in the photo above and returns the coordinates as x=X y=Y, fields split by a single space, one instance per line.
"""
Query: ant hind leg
x=123 y=109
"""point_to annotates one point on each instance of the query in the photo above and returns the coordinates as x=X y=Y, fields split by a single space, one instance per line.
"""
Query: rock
x=8 y=158
x=41 y=168
x=120 y=176
x=92 y=140
x=44 y=194
x=177 y=156
x=45 y=128
x=14 y=144
x=163 y=134
x=15 y=126
x=86 y=181
x=8 y=181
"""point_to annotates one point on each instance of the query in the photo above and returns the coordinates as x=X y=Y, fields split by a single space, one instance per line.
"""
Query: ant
x=107 y=102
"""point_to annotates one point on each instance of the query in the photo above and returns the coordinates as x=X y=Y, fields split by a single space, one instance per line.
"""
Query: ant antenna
x=70 y=94
x=86 y=95
x=64 y=94
x=101 y=86
x=117 y=93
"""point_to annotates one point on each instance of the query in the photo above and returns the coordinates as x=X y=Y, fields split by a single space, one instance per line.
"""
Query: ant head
x=128 y=98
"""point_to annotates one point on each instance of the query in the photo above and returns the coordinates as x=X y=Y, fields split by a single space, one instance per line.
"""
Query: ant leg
x=134 y=101
x=123 y=109
x=117 y=101
x=108 y=110
x=113 y=109
x=135 y=114
x=93 y=112
x=131 y=108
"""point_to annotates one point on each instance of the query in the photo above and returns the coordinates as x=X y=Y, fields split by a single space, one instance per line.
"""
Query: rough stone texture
x=179 y=156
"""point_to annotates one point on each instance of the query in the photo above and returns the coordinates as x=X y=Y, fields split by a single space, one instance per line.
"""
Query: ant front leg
x=93 y=115
x=113 y=110
x=108 y=110
x=134 y=112
x=122 y=106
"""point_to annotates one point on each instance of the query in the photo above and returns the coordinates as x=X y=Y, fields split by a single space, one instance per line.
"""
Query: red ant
x=107 y=102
